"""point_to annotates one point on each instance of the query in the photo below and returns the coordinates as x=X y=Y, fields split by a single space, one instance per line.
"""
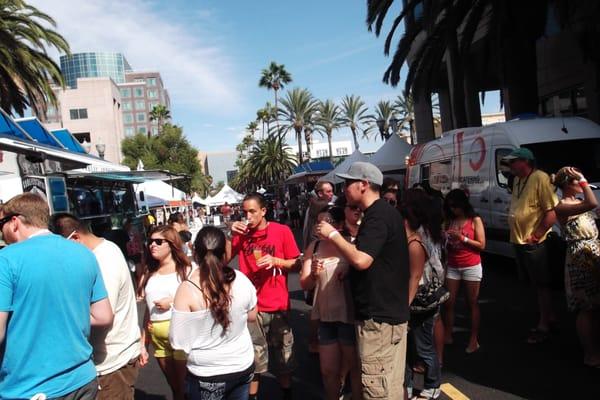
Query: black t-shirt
x=381 y=291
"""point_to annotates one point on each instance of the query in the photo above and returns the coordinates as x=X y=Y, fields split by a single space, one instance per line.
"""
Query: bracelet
x=583 y=183
x=466 y=240
x=332 y=234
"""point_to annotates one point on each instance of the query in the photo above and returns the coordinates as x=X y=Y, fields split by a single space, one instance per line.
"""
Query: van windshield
x=583 y=154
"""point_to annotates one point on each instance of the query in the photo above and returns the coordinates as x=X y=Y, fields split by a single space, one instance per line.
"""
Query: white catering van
x=469 y=159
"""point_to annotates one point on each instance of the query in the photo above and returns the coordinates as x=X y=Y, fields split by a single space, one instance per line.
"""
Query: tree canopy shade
x=170 y=150
x=26 y=71
x=504 y=32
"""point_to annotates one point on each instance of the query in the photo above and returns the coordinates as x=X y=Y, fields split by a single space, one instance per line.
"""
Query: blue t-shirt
x=47 y=283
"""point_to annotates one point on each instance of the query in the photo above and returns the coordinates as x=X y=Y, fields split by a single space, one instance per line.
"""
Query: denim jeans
x=421 y=348
x=232 y=389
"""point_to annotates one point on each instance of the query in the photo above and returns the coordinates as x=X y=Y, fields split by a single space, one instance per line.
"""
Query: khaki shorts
x=382 y=353
x=272 y=337
x=119 y=385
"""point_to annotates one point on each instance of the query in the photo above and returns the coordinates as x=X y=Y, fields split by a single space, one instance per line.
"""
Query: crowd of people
x=382 y=268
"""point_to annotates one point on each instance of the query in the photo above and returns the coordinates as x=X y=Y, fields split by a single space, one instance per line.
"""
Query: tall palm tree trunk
x=354 y=136
x=308 y=140
x=329 y=137
x=299 y=140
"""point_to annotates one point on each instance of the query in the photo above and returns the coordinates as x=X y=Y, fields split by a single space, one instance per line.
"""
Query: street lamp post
x=101 y=148
x=382 y=128
x=87 y=146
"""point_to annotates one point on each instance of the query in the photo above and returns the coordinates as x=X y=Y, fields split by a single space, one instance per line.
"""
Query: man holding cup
x=267 y=251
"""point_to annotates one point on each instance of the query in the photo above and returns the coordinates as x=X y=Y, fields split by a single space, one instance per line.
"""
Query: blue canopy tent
x=309 y=171
x=36 y=130
x=10 y=128
x=68 y=140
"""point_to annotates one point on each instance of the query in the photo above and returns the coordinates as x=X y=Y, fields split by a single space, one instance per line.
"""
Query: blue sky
x=210 y=54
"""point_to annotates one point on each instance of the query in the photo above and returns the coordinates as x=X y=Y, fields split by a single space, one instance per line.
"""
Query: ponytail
x=215 y=279
x=215 y=276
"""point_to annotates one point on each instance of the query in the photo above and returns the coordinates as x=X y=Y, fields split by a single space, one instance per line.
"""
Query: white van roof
x=534 y=130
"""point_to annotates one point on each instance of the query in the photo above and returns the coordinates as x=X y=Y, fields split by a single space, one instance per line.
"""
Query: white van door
x=500 y=196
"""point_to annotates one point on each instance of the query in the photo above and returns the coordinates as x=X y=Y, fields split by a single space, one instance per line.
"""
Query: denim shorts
x=233 y=388
x=337 y=332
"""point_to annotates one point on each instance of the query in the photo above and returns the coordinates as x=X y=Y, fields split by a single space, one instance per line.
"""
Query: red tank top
x=461 y=255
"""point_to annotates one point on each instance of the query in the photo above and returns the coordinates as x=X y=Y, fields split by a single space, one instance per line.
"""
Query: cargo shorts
x=273 y=341
x=382 y=353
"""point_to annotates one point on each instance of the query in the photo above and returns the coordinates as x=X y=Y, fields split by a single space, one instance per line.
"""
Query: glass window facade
x=127 y=118
x=155 y=130
x=140 y=105
x=126 y=106
x=152 y=93
x=93 y=65
x=129 y=130
x=138 y=92
x=125 y=92
x=151 y=81
x=142 y=129
x=140 y=117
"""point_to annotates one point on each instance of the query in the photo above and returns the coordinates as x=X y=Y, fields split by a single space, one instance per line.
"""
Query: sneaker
x=430 y=393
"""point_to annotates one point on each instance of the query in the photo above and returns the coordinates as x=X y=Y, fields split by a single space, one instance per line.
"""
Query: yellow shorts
x=159 y=333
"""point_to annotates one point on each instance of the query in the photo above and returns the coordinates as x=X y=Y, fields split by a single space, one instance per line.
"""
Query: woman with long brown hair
x=166 y=267
x=210 y=315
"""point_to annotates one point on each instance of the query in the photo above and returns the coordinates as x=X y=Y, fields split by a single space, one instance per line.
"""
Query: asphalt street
x=505 y=367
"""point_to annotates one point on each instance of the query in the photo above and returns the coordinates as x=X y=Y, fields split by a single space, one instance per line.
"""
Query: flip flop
x=471 y=351
x=537 y=336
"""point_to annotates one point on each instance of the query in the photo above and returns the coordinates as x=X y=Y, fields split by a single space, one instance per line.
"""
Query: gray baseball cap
x=363 y=171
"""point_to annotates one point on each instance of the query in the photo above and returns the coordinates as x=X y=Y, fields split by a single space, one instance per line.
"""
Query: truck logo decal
x=475 y=165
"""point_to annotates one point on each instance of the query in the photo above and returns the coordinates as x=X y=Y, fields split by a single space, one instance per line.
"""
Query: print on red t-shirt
x=271 y=284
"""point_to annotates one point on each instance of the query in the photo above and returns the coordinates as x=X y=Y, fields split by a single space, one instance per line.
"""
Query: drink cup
x=257 y=254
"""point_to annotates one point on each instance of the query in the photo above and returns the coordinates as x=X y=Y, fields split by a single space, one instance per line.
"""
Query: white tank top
x=158 y=287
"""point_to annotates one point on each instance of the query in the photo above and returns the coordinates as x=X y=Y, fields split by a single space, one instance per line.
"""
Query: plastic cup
x=257 y=254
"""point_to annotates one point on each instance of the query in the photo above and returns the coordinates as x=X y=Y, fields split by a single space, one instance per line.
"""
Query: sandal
x=537 y=336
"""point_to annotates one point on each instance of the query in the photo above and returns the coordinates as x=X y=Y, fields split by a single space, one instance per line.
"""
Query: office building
x=93 y=65
x=320 y=149
x=92 y=113
x=141 y=92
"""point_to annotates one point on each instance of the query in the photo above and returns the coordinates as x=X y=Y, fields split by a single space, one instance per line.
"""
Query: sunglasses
x=159 y=242
x=6 y=219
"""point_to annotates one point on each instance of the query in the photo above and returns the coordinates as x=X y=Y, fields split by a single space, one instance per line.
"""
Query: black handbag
x=430 y=296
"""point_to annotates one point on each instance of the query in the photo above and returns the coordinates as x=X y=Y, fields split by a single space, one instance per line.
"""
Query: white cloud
x=195 y=69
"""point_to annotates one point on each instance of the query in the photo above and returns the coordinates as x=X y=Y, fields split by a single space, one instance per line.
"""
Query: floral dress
x=582 y=272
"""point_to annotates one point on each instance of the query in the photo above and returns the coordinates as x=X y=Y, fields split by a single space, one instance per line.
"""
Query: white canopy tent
x=392 y=155
x=225 y=195
x=343 y=167
x=158 y=193
x=199 y=200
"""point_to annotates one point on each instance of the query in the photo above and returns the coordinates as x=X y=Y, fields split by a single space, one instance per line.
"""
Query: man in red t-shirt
x=267 y=251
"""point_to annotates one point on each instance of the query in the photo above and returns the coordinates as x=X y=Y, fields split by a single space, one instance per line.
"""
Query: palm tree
x=27 y=73
x=159 y=113
x=354 y=116
x=262 y=116
x=269 y=163
x=384 y=113
x=252 y=127
x=298 y=105
x=328 y=119
x=405 y=108
x=275 y=77
x=510 y=32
